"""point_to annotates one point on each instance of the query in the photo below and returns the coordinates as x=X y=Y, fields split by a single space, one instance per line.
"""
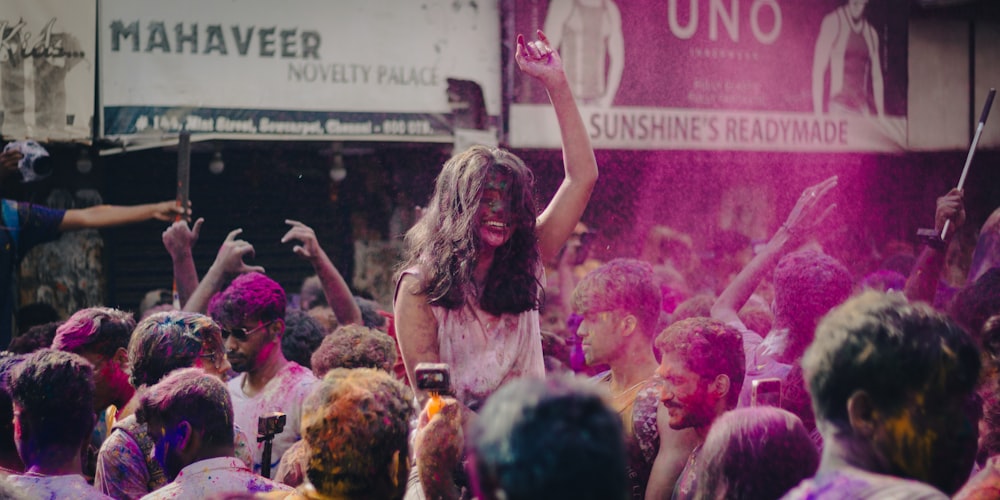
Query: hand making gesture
x=811 y=209
x=540 y=60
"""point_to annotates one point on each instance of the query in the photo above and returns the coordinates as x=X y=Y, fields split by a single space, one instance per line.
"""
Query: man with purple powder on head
x=100 y=335
x=189 y=416
x=251 y=312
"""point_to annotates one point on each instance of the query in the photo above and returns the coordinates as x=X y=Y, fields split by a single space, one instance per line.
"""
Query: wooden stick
x=183 y=185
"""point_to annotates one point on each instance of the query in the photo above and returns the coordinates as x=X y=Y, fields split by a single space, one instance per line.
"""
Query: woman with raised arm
x=469 y=290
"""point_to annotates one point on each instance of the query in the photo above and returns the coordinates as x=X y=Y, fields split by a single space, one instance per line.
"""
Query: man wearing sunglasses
x=251 y=312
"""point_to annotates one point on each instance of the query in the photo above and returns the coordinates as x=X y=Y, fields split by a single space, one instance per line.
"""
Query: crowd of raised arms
x=512 y=365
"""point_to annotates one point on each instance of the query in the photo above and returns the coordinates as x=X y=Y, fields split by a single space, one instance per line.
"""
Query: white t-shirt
x=211 y=476
x=56 y=487
x=855 y=484
x=285 y=393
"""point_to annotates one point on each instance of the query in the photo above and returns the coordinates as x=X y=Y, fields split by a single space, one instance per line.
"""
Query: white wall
x=938 y=100
x=988 y=76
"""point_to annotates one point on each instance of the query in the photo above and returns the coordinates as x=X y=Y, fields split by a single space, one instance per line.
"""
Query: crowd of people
x=512 y=364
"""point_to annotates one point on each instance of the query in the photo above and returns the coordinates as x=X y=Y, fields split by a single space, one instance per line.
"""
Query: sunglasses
x=241 y=334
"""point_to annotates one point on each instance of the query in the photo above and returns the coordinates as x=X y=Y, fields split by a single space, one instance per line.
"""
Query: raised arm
x=338 y=294
x=556 y=222
x=809 y=212
x=115 y=215
x=228 y=261
x=179 y=239
x=923 y=281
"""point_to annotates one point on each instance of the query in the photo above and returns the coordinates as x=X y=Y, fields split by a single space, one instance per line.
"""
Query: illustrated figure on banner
x=848 y=46
x=588 y=36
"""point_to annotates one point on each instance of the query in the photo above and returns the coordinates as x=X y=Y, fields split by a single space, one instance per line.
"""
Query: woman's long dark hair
x=444 y=244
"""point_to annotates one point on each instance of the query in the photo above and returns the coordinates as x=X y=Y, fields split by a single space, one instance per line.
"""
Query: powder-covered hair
x=551 y=438
x=807 y=284
x=191 y=395
x=166 y=341
x=755 y=454
x=55 y=391
x=622 y=284
x=890 y=348
x=444 y=243
x=697 y=306
x=249 y=296
x=354 y=346
x=709 y=348
x=100 y=330
x=354 y=421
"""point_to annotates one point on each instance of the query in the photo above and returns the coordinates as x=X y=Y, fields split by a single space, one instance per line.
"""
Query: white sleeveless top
x=486 y=351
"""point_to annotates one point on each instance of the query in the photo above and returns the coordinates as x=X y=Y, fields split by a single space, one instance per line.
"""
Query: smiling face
x=494 y=210
x=684 y=393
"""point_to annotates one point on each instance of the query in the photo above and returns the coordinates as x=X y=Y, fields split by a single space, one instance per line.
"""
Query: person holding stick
x=26 y=225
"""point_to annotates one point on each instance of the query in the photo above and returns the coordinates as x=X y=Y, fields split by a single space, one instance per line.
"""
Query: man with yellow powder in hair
x=356 y=422
x=892 y=384
x=620 y=305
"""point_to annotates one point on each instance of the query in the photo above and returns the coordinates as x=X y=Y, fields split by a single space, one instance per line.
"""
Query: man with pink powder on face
x=251 y=312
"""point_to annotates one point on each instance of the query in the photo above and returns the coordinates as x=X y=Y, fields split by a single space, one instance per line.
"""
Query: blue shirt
x=24 y=226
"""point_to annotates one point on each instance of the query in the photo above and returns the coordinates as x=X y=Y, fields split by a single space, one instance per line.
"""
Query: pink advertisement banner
x=780 y=75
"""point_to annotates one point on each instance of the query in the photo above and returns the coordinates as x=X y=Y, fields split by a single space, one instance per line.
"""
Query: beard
x=239 y=362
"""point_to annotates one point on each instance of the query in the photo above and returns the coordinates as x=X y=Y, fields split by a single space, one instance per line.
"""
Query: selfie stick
x=268 y=426
x=972 y=149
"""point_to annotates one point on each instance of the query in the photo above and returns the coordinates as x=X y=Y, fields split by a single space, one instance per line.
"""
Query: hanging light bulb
x=83 y=163
x=216 y=165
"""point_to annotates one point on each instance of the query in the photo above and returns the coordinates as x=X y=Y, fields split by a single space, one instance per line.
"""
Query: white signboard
x=47 y=69
x=350 y=69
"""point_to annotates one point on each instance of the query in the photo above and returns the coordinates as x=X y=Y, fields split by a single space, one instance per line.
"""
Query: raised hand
x=232 y=252
x=950 y=207
x=539 y=60
x=8 y=162
x=309 y=247
x=180 y=238
x=810 y=210
x=439 y=446
x=168 y=210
